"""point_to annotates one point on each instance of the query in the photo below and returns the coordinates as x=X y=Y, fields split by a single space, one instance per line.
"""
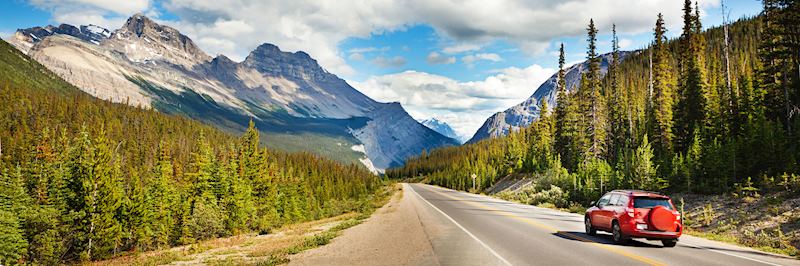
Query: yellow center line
x=534 y=223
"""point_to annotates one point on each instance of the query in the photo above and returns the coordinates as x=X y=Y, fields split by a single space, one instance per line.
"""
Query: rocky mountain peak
x=144 y=40
x=269 y=59
x=137 y=24
x=442 y=128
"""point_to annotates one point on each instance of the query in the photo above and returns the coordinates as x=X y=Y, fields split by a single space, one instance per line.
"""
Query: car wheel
x=669 y=242
x=617 y=235
x=589 y=228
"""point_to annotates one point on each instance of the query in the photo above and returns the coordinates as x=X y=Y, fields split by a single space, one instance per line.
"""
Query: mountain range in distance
x=443 y=128
x=526 y=112
x=297 y=104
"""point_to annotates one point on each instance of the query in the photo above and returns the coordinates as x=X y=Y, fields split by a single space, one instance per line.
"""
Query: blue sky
x=459 y=62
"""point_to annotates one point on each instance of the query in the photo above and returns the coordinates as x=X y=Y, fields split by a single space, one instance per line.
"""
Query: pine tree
x=620 y=120
x=645 y=170
x=562 y=126
x=164 y=196
x=779 y=52
x=140 y=215
x=595 y=104
x=206 y=218
x=109 y=196
x=13 y=204
x=663 y=90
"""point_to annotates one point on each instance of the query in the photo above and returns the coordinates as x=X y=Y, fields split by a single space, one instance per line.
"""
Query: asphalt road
x=469 y=229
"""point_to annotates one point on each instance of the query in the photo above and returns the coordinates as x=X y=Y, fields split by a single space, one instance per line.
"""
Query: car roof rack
x=637 y=191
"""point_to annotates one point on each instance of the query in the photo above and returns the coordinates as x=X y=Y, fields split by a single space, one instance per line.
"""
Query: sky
x=457 y=61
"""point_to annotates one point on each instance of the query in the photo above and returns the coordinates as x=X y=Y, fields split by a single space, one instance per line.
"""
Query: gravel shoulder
x=393 y=235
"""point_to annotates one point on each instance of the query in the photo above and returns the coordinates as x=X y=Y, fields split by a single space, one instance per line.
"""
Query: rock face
x=441 y=127
x=25 y=38
x=525 y=113
x=288 y=95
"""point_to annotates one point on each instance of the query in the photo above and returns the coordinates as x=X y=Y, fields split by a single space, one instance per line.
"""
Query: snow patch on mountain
x=443 y=128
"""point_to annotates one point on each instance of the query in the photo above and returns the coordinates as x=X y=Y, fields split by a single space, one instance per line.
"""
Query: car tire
x=590 y=230
x=617 y=235
x=669 y=242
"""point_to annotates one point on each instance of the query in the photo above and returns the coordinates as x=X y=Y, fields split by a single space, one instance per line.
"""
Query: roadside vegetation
x=82 y=179
x=712 y=112
x=274 y=248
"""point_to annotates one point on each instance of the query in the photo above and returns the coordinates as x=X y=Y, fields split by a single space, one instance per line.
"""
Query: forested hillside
x=86 y=179
x=697 y=114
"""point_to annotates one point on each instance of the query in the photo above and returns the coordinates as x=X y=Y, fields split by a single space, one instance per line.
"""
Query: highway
x=470 y=229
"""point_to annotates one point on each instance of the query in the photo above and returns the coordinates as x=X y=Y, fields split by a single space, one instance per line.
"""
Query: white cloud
x=463 y=105
x=469 y=59
x=460 y=48
x=317 y=27
x=435 y=58
x=109 y=14
x=392 y=62
x=119 y=7
x=369 y=49
x=356 y=57
x=625 y=43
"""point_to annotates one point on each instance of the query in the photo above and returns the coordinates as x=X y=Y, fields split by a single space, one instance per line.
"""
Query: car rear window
x=644 y=202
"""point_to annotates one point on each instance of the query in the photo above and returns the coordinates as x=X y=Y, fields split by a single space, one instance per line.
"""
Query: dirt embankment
x=770 y=222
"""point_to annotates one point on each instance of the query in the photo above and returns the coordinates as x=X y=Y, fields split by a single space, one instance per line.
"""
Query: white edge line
x=462 y=228
x=731 y=254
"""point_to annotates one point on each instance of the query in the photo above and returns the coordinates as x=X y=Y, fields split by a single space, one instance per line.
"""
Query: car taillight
x=631 y=211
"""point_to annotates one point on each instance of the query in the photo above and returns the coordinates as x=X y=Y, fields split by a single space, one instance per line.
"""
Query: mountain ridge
x=297 y=103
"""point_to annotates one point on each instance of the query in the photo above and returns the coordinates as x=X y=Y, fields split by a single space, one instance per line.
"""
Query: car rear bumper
x=655 y=234
x=633 y=232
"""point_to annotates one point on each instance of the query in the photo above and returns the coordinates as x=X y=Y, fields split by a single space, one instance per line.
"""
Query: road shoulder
x=393 y=235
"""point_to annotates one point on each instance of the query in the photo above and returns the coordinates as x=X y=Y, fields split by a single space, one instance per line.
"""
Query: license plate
x=641 y=226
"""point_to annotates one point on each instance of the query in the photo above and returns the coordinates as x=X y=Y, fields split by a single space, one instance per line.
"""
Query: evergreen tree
x=617 y=98
x=663 y=90
x=164 y=198
x=595 y=104
x=563 y=127
x=645 y=170
x=13 y=204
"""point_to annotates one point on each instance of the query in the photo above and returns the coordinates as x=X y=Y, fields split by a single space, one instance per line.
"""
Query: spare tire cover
x=662 y=219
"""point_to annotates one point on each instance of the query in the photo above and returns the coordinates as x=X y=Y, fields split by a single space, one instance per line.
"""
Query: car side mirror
x=594 y=203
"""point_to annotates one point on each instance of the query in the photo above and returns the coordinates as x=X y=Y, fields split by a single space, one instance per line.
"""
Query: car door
x=599 y=216
x=610 y=209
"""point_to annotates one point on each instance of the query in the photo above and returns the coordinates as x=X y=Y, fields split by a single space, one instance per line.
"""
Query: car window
x=645 y=202
x=623 y=200
x=604 y=200
x=613 y=200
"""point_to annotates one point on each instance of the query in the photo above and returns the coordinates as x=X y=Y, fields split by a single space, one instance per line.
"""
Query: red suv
x=635 y=214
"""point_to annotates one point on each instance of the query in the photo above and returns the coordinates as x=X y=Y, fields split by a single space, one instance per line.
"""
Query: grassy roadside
x=252 y=249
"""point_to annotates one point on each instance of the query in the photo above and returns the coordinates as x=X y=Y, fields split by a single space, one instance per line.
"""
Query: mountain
x=297 y=104
x=523 y=114
x=442 y=127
